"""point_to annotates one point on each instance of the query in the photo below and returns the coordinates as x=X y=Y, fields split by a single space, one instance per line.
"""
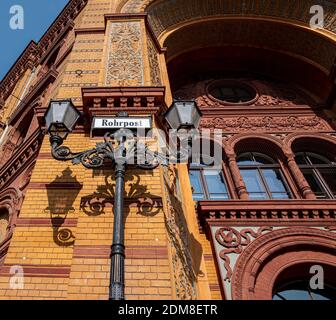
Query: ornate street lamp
x=183 y=115
x=61 y=118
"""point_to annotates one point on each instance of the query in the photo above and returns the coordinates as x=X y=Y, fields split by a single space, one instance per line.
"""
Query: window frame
x=236 y=84
x=236 y=96
x=315 y=169
x=204 y=184
x=259 y=168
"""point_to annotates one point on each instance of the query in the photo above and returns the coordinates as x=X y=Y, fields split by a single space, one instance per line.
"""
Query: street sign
x=122 y=122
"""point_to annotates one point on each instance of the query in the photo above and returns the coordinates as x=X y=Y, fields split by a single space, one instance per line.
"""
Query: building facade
x=255 y=229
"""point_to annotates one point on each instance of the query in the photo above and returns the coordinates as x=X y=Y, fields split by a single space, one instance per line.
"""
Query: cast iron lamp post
x=61 y=118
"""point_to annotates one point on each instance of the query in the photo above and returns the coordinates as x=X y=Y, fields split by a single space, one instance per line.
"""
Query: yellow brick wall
x=79 y=267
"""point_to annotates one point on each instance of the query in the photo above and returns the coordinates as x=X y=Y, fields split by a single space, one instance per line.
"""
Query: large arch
x=295 y=11
x=271 y=36
x=263 y=260
x=244 y=45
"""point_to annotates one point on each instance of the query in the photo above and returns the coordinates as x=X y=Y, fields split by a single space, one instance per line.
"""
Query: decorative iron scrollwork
x=113 y=148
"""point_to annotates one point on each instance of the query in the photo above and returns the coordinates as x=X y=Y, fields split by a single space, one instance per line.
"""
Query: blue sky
x=38 y=16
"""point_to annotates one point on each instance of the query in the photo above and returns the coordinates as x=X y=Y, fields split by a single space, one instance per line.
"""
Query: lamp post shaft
x=117 y=279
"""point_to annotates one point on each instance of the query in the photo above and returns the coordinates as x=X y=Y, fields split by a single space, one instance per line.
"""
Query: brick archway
x=264 y=259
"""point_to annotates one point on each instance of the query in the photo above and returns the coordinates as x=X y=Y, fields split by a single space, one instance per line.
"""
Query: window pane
x=294 y=295
x=216 y=185
x=222 y=196
x=254 y=184
x=196 y=184
x=329 y=176
x=275 y=183
x=262 y=159
x=300 y=158
x=317 y=159
x=226 y=92
x=280 y=196
x=258 y=196
x=243 y=93
x=300 y=290
x=245 y=159
x=315 y=184
x=233 y=93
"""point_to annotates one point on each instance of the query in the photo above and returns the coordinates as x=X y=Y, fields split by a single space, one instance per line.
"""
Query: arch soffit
x=296 y=13
x=294 y=41
x=295 y=17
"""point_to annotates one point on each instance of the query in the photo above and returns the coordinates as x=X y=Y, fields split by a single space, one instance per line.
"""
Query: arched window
x=262 y=176
x=207 y=183
x=4 y=221
x=319 y=172
x=301 y=290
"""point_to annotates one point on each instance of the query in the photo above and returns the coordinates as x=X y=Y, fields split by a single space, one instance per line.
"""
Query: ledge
x=105 y=101
x=20 y=160
x=319 y=212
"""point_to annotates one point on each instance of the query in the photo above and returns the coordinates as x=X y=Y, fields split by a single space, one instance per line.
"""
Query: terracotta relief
x=266 y=124
x=184 y=275
x=267 y=94
x=164 y=14
x=4 y=217
x=234 y=241
x=153 y=63
x=125 y=65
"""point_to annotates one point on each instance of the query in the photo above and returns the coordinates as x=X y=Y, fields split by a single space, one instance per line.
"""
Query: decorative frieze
x=266 y=124
x=233 y=243
x=21 y=159
x=153 y=63
x=267 y=211
x=229 y=240
x=124 y=63
x=110 y=101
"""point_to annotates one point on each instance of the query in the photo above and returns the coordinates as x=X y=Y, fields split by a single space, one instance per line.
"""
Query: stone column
x=237 y=178
x=299 y=178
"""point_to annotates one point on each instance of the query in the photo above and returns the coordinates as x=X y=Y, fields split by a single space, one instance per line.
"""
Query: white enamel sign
x=118 y=123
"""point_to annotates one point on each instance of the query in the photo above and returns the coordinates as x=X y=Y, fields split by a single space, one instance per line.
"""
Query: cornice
x=21 y=159
x=25 y=61
x=35 y=52
x=282 y=212
x=48 y=78
x=104 y=101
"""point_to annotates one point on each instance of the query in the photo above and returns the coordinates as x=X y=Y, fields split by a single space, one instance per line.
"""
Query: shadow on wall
x=136 y=196
x=181 y=238
x=62 y=193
